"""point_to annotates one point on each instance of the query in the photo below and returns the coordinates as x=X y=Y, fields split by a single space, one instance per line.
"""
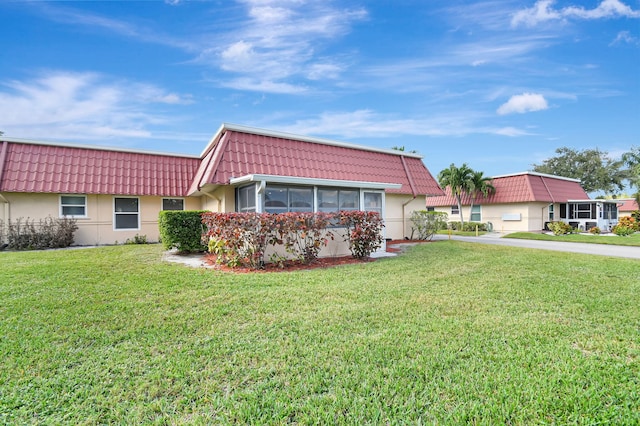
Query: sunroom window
x=283 y=199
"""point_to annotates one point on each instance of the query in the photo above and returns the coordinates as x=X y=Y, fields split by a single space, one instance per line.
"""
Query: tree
x=401 y=148
x=595 y=170
x=632 y=160
x=459 y=180
x=479 y=184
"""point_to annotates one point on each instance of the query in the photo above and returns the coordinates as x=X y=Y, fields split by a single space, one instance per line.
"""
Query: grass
x=448 y=333
x=631 y=240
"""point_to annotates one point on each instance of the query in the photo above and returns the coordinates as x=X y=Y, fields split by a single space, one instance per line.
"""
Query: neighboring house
x=528 y=201
x=116 y=193
x=626 y=206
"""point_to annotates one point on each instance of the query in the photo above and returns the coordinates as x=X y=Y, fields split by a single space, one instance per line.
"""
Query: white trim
x=276 y=134
x=73 y=216
x=138 y=213
x=313 y=182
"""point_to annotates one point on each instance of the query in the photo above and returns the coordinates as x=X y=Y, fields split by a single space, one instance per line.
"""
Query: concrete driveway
x=597 y=249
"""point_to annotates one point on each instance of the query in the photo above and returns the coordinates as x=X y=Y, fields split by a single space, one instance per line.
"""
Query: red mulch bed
x=292 y=265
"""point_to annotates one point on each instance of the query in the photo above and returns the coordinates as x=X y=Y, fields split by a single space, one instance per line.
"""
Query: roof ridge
x=95 y=147
x=311 y=139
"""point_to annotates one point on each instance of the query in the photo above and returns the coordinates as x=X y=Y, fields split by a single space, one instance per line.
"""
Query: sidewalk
x=597 y=249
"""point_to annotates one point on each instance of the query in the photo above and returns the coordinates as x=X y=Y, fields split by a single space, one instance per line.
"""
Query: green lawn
x=448 y=333
x=631 y=240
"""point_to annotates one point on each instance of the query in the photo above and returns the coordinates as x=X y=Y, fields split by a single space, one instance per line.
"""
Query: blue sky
x=496 y=84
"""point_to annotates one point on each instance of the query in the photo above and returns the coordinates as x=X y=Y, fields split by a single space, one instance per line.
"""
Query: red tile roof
x=238 y=151
x=55 y=168
x=522 y=188
x=627 y=205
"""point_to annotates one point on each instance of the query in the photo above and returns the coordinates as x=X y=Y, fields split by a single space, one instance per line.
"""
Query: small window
x=126 y=213
x=73 y=205
x=172 y=204
x=455 y=210
x=551 y=212
x=476 y=213
x=431 y=209
x=373 y=202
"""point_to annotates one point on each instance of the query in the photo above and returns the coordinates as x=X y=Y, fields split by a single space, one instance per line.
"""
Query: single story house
x=626 y=206
x=116 y=194
x=527 y=201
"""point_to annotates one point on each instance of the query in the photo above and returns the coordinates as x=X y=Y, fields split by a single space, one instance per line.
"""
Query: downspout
x=550 y=196
x=414 y=193
x=5 y=223
x=213 y=197
x=7 y=217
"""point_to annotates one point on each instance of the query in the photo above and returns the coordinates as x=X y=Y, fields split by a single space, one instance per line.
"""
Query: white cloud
x=278 y=43
x=370 y=124
x=527 y=102
x=625 y=37
x=66 y=105
x=543 y=11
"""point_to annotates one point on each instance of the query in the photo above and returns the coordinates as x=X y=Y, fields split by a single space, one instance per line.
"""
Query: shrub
x=27 y=234
x=304 y=234
x=364 y=232
x=468 y=226
x=595 y=230
x=426 y=223
x=182 y=230
x=627 y=225
x=240 y=238
x=560 y=228
x=138 y=239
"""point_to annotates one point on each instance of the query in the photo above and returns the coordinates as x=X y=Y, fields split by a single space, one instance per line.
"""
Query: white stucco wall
x=513 y=217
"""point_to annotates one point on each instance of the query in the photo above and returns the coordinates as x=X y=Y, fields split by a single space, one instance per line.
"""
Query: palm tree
x=459 y=180
x=479 y=185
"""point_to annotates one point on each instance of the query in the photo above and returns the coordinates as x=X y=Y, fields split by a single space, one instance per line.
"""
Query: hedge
x=182 y=230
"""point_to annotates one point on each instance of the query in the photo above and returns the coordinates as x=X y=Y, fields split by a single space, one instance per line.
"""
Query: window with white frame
x=334 y=199
x=476 y=213
x=172 y=204
x=373 y=202
x=73 y=206
x=246 y=199
x=455 y=210
x=551 y=212
x=283 y=199
x=126 y=211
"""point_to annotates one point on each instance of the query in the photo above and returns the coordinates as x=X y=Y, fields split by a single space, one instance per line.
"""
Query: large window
x=172 y=204
x=583 y=211
x=476 y=213
x=282 y=199
x=73 y=205
x=126 y=213
x=333 y=199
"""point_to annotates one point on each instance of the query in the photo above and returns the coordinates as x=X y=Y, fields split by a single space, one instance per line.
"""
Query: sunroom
x=587 y=214
x=282 y=194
